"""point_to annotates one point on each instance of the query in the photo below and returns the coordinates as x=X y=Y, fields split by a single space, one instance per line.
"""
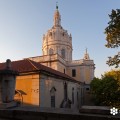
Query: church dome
x=57 y=39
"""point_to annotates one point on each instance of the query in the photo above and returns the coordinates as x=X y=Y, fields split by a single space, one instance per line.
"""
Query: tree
x=114 y=73
x=96 y=90
x=113 y=36
x=106 y=91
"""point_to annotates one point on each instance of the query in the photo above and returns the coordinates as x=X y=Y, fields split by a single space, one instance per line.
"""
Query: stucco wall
x=37 y=90
x=29 y=84
x=47 y=83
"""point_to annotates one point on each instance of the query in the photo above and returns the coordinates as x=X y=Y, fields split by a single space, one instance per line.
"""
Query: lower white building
x=38 y=85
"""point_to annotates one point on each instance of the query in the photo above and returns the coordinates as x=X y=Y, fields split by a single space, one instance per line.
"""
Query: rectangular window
x=53 y=101
x=64 y=70
x=72 y=95
x=73 y=73
x=77 y=96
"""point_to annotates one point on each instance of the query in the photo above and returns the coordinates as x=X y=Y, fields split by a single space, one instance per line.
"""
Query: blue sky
x=23 y=23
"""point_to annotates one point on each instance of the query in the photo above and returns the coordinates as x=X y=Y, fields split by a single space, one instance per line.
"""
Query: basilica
x=51 y=80
x=57 y=53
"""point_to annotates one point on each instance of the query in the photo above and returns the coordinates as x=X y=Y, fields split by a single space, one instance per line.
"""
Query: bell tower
x=86 y=55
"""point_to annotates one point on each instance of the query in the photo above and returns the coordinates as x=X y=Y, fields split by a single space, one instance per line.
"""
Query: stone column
x=7 y=85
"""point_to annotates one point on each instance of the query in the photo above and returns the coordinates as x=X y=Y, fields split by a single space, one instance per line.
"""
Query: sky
x=23 y=23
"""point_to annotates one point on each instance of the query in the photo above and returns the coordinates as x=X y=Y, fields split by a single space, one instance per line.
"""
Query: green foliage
x=114 y=60
x=113 y=73
x=113 y=36
x=106 y=91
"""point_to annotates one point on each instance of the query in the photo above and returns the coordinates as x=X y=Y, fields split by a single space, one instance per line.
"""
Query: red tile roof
x=26 y=65
x=20 y=66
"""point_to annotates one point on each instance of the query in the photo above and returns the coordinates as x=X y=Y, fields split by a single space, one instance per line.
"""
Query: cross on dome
x=57 y=5
x=57 y=17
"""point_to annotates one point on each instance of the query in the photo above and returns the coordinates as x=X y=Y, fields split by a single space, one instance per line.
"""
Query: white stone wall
x=47 y=83
x=45 y=86
x=84 y=68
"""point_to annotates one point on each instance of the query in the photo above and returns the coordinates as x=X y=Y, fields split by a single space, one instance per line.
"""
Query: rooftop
x=27 y=65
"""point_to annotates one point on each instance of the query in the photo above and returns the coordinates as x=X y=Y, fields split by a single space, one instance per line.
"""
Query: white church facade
x=57 y=53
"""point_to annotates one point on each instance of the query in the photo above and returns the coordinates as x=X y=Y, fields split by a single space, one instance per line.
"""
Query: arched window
x=52 y=93
x=63 y=53
x=50 y=51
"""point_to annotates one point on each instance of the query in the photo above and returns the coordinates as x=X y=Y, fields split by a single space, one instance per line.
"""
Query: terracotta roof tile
x=20 y=66
x=28 y=65
x=50 y=70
